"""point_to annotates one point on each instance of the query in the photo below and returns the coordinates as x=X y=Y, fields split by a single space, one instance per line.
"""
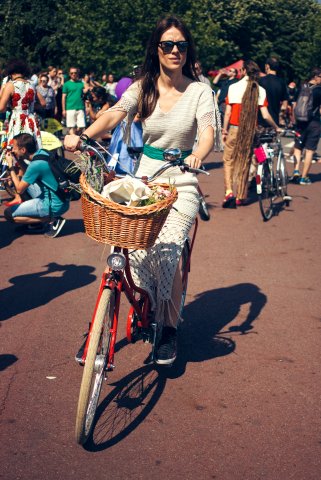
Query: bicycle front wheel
x=267 y=193
x=95 y=365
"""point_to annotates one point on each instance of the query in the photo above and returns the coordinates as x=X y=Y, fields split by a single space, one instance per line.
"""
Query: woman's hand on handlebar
x=193 y=161
x=71 y=142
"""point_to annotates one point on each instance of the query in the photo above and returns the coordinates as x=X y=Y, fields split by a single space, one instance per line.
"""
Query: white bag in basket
x=127 y=190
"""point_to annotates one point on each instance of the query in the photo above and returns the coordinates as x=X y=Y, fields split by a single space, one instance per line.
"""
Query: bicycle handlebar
x=172 y=157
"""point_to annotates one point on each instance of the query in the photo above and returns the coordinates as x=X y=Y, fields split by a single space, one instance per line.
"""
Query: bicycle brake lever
x=187 y=168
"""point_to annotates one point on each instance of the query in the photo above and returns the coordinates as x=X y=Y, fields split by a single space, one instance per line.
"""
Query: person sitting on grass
x=45 y=208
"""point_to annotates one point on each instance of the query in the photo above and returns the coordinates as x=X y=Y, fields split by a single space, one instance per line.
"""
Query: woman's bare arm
x=103 y=124
x=6 y=94
x=41 y=99
x=204 y=147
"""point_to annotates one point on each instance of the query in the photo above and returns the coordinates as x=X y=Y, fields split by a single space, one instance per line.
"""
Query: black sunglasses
x=167 y=46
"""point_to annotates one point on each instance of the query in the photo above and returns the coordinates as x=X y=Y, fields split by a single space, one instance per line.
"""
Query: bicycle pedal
x=80 y=353
x=79 y=360
x=287 y=198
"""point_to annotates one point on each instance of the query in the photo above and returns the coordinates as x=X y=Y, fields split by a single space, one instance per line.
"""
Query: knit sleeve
x=129 y=101
x=207 y=114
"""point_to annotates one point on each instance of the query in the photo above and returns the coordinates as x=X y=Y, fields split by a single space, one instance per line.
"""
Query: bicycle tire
x=92 y=380
x=203 y=210
x=265 y=197
x=283 y=178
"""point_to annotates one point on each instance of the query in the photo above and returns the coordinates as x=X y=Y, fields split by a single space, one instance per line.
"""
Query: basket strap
x=157 y=153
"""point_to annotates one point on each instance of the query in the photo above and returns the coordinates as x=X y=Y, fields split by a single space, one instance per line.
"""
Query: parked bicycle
x=272 y=177
x=98 y=352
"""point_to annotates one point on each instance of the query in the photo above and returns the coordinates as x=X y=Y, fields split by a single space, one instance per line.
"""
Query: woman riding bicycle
x=174 y=106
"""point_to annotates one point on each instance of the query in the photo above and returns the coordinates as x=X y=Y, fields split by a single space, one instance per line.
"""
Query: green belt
x=157 y=153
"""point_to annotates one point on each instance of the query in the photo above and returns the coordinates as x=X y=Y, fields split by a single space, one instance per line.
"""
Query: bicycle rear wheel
x=283 y=178
x=96 y=363
x=266 y=196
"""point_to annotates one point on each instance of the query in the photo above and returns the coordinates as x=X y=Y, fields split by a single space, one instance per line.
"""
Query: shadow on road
x=201 y=337
x=32 y=290
x=213 y=165
x=6 y=360
x=10 y=232
x=7 y=233
x=126 y=407
x=315 y=177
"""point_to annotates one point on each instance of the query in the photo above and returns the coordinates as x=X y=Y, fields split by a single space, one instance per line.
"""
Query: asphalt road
x=243 y=399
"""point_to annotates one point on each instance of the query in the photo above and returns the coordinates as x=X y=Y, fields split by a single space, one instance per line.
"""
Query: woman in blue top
x=45 y=205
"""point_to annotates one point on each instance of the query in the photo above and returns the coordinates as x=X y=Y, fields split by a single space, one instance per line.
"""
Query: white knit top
x=194 y=111
x=190 y=115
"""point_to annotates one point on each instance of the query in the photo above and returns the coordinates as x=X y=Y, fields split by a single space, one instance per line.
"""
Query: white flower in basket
x=127 y=191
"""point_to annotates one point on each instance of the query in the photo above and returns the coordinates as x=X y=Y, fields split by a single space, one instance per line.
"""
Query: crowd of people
x=248 y=100
x=174 y=103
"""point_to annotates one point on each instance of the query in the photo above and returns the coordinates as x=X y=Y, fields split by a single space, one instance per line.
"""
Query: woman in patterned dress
x=174 y=107
x=19 y=93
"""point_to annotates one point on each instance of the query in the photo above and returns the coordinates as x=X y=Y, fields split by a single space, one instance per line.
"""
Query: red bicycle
x=98 y=352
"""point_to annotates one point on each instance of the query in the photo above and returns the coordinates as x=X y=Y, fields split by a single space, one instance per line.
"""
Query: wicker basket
x=128 y=227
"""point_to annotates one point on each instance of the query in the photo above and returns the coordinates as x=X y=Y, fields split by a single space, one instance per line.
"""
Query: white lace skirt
x=154 y=269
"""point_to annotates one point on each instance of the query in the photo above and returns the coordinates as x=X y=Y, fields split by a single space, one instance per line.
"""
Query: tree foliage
x=108 y=35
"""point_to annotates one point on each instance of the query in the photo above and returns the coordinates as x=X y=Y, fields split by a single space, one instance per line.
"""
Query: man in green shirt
x=73 y=107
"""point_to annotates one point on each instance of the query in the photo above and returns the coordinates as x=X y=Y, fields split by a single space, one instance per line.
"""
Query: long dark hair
x=17 y=65
x=151 y=70
x=246 y=130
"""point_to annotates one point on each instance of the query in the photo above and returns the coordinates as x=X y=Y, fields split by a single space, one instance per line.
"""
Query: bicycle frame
x=116 y=281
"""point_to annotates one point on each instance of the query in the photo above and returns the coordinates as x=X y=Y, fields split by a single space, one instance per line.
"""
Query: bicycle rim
x=94 y=369
x=265 y=198
x=283 y=177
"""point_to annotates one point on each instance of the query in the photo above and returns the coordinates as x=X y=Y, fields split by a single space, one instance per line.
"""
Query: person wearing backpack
x=46 y=205
x=307 y=115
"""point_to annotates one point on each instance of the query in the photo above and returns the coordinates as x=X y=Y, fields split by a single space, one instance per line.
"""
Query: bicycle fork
x=110 y=281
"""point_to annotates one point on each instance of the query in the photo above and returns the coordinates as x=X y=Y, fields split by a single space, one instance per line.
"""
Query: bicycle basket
x=128 y=227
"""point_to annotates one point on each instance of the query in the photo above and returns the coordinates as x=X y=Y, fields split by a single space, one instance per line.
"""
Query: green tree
x=28 y=30
x=108 y=35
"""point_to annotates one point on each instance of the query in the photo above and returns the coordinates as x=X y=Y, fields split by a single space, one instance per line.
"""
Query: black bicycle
x=272 y=177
